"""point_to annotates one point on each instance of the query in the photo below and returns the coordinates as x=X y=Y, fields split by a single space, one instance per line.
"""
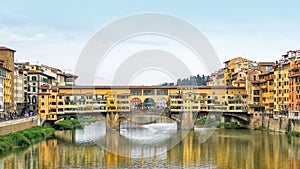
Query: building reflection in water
x=225 y=149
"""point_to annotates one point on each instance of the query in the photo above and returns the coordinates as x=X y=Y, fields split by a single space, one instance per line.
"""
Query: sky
x=55 y=32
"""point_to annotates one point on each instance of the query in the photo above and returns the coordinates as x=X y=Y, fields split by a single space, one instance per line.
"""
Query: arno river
x=155 y=146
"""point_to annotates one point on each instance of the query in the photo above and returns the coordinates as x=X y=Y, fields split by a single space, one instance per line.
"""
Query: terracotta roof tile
x=266 y=63
x=70 y=75
x=6 y=48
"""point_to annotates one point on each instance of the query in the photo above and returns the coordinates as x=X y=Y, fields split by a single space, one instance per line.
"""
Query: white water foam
x=150 y=133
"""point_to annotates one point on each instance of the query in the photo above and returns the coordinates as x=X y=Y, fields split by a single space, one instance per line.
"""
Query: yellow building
x=281 y=89
x=7 y=61
x=3 y=89
x=44 y=102
x=8 y=95
x=267 y=91
x=260 y=88
x=234 y=66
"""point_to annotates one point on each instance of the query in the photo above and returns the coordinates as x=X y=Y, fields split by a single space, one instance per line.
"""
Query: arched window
x=33 y=99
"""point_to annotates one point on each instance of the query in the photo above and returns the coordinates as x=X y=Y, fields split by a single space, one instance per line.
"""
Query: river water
x=158 y=145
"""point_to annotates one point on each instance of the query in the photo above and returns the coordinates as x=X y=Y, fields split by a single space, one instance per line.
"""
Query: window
x=45 y=80
x=162 y=92
x=256 y=92
x=33 y=89
x=33 y=78
x=33 y=99
x=136 y=92
x=149 y=92
x=69 y=79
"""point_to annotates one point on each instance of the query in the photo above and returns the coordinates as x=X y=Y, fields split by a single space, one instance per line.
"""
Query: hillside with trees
x=189 y=81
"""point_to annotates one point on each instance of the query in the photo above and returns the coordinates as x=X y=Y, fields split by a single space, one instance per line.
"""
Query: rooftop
x=6 y=48
x=266 y=63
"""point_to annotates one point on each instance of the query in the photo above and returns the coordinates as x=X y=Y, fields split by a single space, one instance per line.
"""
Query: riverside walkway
x=11 y=126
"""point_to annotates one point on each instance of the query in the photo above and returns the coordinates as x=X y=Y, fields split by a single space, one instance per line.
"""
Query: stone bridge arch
x=136 y=103
x=161 y=103
x=242 y=118
x=149 y=103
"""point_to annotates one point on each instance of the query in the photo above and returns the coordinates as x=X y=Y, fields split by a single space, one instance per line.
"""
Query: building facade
x=7 y=60
x=36 y=76
x=87 y=99
x=3 y=72
x=18 y=89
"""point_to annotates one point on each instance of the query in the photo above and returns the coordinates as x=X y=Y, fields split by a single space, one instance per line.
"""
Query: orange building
x=294 y=90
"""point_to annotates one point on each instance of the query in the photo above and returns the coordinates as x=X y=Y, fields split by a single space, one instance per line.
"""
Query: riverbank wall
x=280 y=124
x=11 y=126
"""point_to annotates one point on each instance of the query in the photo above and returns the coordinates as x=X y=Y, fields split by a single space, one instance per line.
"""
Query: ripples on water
x=150 y=133
x=148 y=146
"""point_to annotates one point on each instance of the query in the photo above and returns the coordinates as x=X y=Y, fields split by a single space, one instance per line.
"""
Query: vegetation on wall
x=229 y=125
x=69 y=124
x=24 y=138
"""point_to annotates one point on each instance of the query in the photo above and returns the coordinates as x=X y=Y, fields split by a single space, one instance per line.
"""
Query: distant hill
x=189 y=81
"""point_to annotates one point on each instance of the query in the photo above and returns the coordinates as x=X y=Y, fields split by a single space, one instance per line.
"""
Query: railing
x=294 y=117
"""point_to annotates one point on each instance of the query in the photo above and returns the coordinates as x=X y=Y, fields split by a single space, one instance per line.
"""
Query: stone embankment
x=12 y=126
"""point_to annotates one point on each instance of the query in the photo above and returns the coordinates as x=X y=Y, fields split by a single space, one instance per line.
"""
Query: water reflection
x=224 y=149
x=90 y=133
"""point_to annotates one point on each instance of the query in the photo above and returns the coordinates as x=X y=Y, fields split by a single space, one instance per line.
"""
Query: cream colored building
x=2 y=78
x=18 y=89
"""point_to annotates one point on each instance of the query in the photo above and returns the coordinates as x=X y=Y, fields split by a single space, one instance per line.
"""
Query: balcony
x=176 y=103
x=176 y=99
x=111 y=109
x=176 y=109
x=100 y=99
x=294 y=115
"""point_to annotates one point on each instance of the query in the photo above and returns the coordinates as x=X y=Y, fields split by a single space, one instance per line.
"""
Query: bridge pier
x=112 y=121
x=186 y=121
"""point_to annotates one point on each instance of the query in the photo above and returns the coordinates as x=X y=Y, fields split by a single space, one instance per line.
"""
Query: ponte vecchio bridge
x=117 y=103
